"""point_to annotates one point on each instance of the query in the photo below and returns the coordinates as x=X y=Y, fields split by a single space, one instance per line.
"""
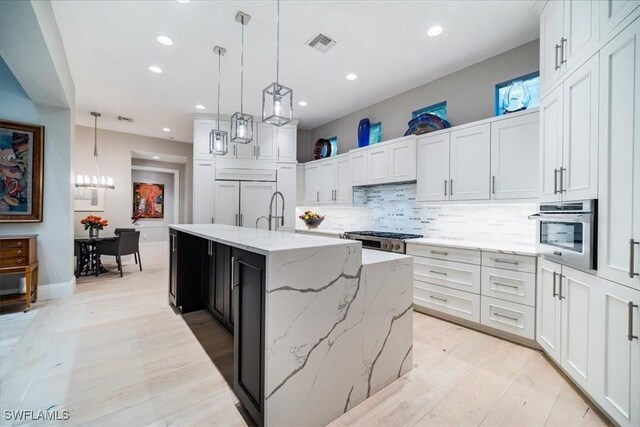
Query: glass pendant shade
x=218 y=142
x=98 y=181
x=277 y=104
x=241 y=128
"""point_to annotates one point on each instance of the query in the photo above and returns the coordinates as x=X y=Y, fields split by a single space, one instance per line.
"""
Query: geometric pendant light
x=218 y=142
x=242 y=123
x=277 y=99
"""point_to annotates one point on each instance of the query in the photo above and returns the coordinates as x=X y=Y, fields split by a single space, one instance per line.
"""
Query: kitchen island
x=319 y=323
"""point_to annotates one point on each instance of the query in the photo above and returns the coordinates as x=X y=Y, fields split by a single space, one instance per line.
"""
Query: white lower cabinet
x=517 y=319
x=455 y=275
x=514 y=286
x=464 y=305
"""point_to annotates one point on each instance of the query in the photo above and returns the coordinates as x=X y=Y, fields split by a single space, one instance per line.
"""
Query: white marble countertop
x=515 y=248
x=257 y=240
x=370 y=256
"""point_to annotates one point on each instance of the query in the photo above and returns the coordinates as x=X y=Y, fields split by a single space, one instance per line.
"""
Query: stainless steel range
x=381 y=240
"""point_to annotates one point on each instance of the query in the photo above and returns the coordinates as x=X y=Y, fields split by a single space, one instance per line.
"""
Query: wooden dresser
x=19 y=254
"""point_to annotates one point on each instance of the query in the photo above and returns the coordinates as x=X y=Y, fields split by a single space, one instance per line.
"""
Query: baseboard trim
x=56 y=290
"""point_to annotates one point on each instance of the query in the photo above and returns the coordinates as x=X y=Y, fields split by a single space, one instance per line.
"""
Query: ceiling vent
x=321 y=42
x=125 y=119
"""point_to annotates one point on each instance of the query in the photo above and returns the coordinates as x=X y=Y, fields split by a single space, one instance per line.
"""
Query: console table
x=19 y=254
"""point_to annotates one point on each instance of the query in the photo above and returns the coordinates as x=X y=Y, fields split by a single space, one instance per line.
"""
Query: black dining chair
x=126 y=243
x=123 y=230
x=136 y=255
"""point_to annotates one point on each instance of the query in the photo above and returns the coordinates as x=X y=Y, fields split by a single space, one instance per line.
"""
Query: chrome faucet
x=271 y=216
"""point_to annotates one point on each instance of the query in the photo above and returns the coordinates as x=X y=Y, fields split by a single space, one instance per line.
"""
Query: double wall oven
x=566 y=233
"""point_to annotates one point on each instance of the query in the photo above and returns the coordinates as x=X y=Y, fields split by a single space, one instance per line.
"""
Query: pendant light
x=277 y=99
x=98 y=180
x=241 y=123
x=218 y=142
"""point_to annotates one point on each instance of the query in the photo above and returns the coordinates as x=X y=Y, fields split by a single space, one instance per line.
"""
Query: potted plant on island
x=94 y=224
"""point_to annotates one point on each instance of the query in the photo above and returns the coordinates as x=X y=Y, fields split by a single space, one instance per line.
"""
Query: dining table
x=88 y=262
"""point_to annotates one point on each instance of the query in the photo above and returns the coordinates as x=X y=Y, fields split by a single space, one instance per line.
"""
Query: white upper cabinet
x=286 y=149
x=343 y=189
x=331 y=181
x=619 y=207
x=551 y=145
x=470 y=151
x=204 y=172
x=358 y=159
x=612 y=13
x=266 y=146
x=377 y=164
x=311 y=184
x=514 y=158
x=551 y=34
x=548 y=308
x=402 y=160
x=201 y=129
x=248 y=150
x=433 y=167
x=327 y=181
x=227 y=211
x=580 y=30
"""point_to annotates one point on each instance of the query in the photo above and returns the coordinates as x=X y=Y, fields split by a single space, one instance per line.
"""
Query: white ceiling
x=111 y=44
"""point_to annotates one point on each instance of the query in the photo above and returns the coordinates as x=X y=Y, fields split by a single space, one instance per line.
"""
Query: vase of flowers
x=94 y=224
x=311 y=219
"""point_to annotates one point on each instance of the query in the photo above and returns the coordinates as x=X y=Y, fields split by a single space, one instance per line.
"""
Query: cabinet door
x=550 y=145
x=223 y=306
x=247 y=151
x=266 y=147
x=469 y=163
x=203 y=181
x=548 y=309
x=551 y=31
x=227 y=210
x=612 y=13
x=377 y=165
x=254 y=203
x=201 y=129
x=209 y=275
x=312 y=184
x=358 y=167
x=578 y=351
x=287 y=144
x=581 y=25
x=248 y=280
x=300 y=187
x=287 y=186
x=618 y=318
x=433 y=168
x=579 y=175
x=514 y=157
x=619 y=203
x=344 y=190
x=327 y=181
x=402 y=161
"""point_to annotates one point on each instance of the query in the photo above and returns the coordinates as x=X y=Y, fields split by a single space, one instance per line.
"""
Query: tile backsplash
x=394 y=208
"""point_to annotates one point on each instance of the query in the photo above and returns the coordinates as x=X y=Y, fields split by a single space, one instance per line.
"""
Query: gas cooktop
x=385 y=234
x=381 y=240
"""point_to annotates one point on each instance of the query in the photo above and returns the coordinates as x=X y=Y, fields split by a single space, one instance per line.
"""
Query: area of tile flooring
x=116 y=354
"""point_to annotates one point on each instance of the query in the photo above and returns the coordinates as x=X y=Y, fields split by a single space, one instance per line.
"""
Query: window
x=334 y=145
x=526 y=90
x=439 y=109
x=375 y=133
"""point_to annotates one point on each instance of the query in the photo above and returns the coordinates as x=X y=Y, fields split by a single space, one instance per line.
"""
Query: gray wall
x=469 y=94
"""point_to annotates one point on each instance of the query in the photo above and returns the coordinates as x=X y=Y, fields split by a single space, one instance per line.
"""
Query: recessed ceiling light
x=166 y=129
x=165 y=40
x=351 y=76
x=155 y=157
x=302 y=103
x=434 y=31
x=200 y=107
x=155 y=69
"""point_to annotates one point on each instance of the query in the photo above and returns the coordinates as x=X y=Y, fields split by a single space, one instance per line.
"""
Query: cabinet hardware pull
x=317 y=196
x=506 y=317
x=440 y=253
x=562 y=170
x=19 y=251
x=493 y=184
x=504 y=261
x=632 y=255
x=437 y=298
x=233 y=273
x=234 y=150
x=556 y=57
x=630 y=335
x=505 y=284
x=241 y=220
x=563 y=42
x=555 y=181
x=278 y=153
x=445 y=187
x=19 y=244
x=451 y=187
x=236 y=219
x=560 y=276
x=555 y=292
x=438 y=272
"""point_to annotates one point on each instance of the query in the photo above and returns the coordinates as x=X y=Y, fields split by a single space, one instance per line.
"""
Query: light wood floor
x=116 y=354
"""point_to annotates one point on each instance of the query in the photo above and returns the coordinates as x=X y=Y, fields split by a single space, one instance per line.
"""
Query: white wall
x=469 y=94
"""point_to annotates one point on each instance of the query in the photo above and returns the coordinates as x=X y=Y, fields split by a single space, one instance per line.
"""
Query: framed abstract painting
x=21 y=172
x=148 y=200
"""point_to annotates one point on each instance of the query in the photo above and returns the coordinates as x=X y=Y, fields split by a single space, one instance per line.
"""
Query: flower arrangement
x=311 y=219
x=94 y=222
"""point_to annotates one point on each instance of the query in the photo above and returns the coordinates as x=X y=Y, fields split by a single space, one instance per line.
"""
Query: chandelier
x=98 y=181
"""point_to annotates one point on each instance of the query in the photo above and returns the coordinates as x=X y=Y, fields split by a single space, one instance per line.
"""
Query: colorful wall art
x=148 y=200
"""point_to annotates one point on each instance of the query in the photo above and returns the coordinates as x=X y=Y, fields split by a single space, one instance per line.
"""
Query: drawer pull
x=440 y=253
x=19 y=244
x=506 y=317
x=505 y=284
x=19 y=260
x=19 y=251
x=438 y=298
x=504 y=261
x=438 y=272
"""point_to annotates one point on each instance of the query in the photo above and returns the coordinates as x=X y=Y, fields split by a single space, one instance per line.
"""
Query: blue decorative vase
x=363 y=132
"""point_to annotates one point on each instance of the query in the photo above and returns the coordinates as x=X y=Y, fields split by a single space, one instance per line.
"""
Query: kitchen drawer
x=509 y=261
x=456 y=275
x=14 y=243
x=514 y=286
x=450 y=301
x=13 y=252
x=507 y=316
x=13 y=261
x=468 y=256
